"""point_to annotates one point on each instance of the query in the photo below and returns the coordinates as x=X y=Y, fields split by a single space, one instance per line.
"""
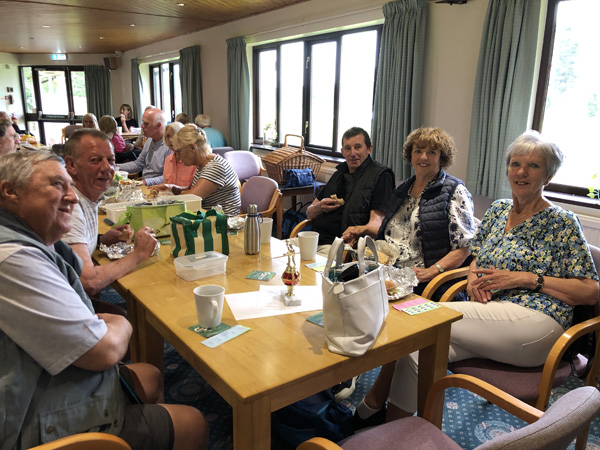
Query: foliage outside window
x=568 y=100
x=315 y=87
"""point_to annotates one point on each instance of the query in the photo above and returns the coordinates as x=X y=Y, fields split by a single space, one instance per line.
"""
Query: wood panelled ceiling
x=108 y=26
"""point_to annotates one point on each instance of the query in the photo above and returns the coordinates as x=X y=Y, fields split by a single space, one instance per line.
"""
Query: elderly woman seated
x=215 y=180
x=531 y=265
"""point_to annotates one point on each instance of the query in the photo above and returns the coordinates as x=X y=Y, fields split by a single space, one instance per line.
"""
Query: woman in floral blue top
x=531 y=265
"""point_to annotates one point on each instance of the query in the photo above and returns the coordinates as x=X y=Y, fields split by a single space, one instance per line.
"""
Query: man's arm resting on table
x=111 y=348
x=95 y=278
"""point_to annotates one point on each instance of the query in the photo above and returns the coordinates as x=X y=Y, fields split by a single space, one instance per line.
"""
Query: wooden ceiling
x=91 y=26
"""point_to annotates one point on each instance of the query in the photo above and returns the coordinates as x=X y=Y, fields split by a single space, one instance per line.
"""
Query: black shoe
x=357 y=423
x=345 y=389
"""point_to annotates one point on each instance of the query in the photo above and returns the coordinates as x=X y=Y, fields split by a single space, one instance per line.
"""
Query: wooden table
x=282 y=359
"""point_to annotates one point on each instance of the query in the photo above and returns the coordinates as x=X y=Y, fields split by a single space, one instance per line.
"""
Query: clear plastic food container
x=200 y=265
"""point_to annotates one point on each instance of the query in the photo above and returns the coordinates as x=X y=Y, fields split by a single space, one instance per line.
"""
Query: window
x=54 y=97
x=317 y=87
x=166 y=88
x=568 y=98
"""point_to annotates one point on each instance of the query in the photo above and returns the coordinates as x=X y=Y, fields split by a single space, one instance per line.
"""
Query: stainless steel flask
x=252 y=232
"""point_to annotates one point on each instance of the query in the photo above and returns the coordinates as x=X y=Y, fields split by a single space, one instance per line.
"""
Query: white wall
x=9 y=77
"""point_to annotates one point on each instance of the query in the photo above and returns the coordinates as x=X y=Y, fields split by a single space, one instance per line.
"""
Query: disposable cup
x=308 y=242
x=209 y=305
x=266 y=228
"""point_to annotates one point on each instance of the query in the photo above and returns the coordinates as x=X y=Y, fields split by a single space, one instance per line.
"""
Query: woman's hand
x=426 y=274
x=493 y=279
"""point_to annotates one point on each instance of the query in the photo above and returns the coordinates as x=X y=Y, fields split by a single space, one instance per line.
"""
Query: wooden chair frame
x=86 y=441
x=435 y=400
x=556 y=352
x=275 y=207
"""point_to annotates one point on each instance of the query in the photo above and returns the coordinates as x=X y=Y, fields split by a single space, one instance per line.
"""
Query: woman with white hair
x=175 y=172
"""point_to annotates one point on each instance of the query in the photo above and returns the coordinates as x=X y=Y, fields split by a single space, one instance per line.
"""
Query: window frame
x=573 y=195
x=309 y=41
x=153 y=101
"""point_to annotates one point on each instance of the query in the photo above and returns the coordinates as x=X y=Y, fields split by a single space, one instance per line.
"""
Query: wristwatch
x=440 y=268
x=539 y=283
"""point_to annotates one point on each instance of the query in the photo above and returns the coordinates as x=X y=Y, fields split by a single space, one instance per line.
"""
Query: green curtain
x=399 y=85
x=136 y=90
x=238 y=83
x=98 y=92
x=191 y=81
x=503 y=86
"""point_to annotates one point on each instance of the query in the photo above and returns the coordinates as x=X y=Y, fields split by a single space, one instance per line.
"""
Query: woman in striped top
x=215 y=180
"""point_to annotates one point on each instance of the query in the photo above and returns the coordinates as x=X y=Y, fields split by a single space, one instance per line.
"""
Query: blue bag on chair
x=298 y=177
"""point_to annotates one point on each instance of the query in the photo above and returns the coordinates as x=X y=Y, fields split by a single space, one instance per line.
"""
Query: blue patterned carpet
x=468 y=419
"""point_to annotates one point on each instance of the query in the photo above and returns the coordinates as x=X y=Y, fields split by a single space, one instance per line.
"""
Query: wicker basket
x=291 y=158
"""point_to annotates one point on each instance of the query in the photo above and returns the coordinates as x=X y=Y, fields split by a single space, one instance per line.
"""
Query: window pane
x=30 y=105
x=53 y=92
x=292 y=81
x=267 y=90
x=53 y=132
x=357 y=78
x=79 y=98
x=177 y=91
x=573 y=99
x=166 y=92
x=156 y=87
x=322 y=84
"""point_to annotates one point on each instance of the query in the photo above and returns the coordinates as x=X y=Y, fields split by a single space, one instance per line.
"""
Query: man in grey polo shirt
x=151 y=161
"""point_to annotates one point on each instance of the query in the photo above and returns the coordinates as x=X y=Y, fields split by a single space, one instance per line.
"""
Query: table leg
x=151 y=343
x=279 y=217
x=252 y=425
x=433 y=365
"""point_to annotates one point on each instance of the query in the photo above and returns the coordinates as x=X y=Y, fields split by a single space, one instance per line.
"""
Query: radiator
x=591 y=229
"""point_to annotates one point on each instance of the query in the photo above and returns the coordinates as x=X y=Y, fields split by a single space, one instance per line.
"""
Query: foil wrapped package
x=120 y=249
x=404 y=278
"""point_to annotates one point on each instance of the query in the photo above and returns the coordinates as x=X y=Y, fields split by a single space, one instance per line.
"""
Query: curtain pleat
x=398 y=92
x=191 y=81
x=136 y=90
x=503 y=86
x=238 y=83
x=98 y=90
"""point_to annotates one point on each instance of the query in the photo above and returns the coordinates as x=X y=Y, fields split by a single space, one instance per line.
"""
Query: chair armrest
x=275 y=203
x=318 y=443
x=86 y=441
x=435 y=397
x=442 y=278
x=558 y=350
x=453 y=290
x=298 y=228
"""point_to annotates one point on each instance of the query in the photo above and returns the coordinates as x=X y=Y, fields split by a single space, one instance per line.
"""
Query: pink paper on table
x=408 y=304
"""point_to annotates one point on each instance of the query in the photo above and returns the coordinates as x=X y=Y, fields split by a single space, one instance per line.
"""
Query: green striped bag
x=198 y=233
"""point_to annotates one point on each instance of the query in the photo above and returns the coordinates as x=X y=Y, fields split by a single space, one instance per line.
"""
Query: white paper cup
x=266 y=228
x=209 y=305
x=120 y=130
x=308 y=242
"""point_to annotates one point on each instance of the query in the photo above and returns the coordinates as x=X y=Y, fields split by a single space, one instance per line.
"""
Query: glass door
x=54 y=98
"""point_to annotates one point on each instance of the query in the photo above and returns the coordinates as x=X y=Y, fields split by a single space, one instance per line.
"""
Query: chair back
x=70 y=129
x=258 y=191
x=557 y=427
x=221 y=150
x=245 y=163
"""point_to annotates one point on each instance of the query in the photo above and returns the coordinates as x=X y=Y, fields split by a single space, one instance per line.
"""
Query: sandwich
x=392 y=290
x=340 y=201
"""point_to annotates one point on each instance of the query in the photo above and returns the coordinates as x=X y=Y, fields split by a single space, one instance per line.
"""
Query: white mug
x=209 y=305
x=308 y=242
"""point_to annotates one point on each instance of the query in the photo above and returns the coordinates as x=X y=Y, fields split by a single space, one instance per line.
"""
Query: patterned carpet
x=468 y=419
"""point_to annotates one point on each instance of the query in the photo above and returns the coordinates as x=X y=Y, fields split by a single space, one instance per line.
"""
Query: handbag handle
x=336 y=253
x=362 y=242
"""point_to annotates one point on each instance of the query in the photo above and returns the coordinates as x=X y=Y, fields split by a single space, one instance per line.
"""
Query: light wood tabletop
x=283 y=358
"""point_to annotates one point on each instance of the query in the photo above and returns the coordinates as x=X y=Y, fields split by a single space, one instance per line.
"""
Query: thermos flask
x=252 y=232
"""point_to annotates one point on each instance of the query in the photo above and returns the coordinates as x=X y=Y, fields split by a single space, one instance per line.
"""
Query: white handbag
x=353 y=311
